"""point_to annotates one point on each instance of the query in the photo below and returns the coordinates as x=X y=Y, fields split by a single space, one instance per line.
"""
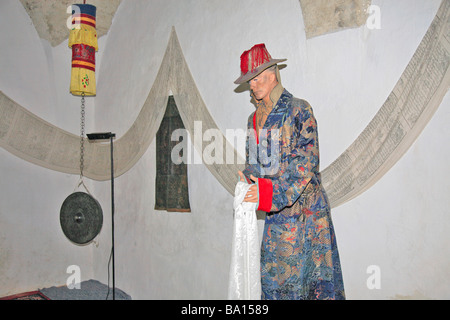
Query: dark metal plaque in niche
x=171 y=192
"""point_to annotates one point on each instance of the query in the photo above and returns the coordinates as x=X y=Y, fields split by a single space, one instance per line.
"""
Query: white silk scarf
x=245 y=274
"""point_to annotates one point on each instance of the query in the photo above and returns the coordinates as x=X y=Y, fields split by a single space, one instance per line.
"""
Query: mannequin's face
x=262 y=85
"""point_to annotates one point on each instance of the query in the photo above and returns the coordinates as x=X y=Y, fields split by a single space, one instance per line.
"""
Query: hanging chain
x=82 y=136
x=82 y=139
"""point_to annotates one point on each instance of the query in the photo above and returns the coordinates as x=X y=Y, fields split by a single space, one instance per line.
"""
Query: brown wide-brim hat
x=255 y=61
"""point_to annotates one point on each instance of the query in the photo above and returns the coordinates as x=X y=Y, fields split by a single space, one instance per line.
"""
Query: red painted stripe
x=84 y=60
x=84 y=22
x=83 y=15
x=82 y=66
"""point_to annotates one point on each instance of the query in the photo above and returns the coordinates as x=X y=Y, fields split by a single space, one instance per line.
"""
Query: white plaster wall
x=399 y=224
x=34 y=252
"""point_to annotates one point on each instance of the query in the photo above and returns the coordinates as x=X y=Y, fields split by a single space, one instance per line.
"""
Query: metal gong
x=81 y=217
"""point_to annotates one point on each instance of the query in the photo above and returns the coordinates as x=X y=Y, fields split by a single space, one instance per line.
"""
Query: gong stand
x=110 y=136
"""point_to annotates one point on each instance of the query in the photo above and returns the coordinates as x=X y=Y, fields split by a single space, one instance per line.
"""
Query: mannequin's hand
x=252 y=193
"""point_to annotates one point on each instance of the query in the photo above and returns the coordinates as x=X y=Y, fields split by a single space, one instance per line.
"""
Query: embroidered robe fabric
x=299 y=254
x=245 y=276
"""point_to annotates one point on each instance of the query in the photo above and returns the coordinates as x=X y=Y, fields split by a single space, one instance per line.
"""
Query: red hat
x=255 y=61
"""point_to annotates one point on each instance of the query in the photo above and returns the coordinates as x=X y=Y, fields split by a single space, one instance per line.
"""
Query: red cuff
x=265 y=194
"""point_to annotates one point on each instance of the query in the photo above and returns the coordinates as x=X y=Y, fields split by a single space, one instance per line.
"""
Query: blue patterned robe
x=299 y=254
